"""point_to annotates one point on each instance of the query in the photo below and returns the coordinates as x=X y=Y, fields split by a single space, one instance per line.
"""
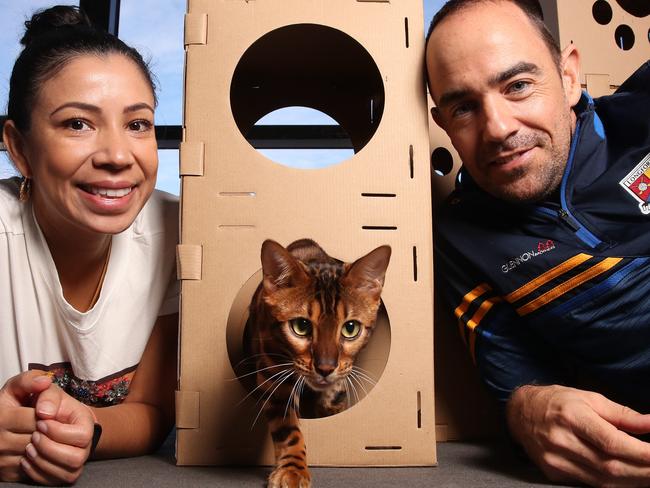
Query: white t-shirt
x=92 y=354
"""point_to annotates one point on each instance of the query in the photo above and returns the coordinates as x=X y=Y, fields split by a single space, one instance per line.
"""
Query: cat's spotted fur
x=309 y=318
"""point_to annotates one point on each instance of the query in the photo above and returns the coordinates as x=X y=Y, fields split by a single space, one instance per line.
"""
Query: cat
x=308 y=319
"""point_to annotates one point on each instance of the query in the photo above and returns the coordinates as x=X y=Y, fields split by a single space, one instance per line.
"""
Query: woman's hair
x=53 y=37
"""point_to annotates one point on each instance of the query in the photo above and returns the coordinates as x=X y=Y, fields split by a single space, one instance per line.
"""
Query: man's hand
x=575 y=435
x=18 y=420
x=61 y=444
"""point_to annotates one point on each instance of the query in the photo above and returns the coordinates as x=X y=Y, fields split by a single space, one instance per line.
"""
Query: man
x=542 y=250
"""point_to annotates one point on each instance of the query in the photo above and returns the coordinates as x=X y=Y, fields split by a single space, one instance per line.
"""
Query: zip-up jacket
x=558 y=292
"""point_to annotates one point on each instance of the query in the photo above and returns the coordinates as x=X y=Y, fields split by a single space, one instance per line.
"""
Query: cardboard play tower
x=613 y=38
x=360 y=62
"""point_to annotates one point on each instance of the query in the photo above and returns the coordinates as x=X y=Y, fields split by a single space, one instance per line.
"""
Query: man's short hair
x=531 y=8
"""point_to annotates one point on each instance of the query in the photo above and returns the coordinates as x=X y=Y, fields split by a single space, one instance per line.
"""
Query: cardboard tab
x=196 y=29
x=188 y=261
x=192 y=155
x=597 y=85
x=187 y=409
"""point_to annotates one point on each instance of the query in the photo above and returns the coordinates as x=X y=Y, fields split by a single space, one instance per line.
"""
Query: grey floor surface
x=459 y=465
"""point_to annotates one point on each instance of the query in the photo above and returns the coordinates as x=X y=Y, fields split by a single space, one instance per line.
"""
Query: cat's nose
x=324 y=368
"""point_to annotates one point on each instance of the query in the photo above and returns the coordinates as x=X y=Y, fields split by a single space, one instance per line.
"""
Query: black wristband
x=97 y=433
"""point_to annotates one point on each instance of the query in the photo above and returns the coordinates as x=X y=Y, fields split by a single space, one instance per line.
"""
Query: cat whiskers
x=354 y=389
x=289 y=373
x=252 y=357
x=293 y=396
x=365 y=374
x=279 y=373
x=258 y=370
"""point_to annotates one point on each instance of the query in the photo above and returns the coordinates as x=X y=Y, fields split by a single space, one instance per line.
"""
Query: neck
x=80 y=257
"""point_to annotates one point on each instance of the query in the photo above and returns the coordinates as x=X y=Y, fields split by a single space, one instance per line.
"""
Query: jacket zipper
x=563 y=212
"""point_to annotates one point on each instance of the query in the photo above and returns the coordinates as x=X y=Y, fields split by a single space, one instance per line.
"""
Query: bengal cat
x=309 y=318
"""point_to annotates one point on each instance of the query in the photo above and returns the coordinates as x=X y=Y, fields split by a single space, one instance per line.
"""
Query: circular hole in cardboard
x=638 y=8
x=442 y=161
x=602 y=12
x=624 y=37
x=307 y=120
x=308 y=65
x=372 y=359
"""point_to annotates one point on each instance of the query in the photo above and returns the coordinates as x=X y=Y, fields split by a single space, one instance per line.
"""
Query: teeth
x=110 y=192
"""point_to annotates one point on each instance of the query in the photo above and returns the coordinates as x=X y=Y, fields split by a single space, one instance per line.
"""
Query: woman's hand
x=61 y=444
x=18 y=420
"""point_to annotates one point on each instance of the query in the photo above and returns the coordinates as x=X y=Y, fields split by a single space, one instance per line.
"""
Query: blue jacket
x=558 y=292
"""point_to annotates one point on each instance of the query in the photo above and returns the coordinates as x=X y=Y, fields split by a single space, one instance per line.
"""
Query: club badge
x=637 y=183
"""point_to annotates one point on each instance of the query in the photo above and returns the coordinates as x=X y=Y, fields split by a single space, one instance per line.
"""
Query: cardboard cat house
x=359 y=61
x=612 y=37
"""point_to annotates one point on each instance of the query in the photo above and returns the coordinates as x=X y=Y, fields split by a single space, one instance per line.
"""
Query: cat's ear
x=280 y=268
x=367 y=273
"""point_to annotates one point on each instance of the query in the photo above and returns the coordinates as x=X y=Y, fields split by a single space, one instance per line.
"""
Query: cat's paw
x=290 y=477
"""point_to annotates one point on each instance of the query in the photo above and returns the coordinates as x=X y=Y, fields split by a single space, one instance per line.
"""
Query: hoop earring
x=25 y=189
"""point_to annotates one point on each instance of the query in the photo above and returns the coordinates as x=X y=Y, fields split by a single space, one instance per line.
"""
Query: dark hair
x=53 y=37
x=531 y=8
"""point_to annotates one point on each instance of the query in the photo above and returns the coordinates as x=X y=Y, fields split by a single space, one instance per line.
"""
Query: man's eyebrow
x=451 y=97
x=517 y=69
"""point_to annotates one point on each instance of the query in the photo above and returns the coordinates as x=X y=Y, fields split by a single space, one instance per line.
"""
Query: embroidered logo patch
x=637 y=183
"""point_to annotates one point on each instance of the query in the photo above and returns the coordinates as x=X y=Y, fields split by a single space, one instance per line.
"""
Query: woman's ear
x=15 y=143
x=570 y=70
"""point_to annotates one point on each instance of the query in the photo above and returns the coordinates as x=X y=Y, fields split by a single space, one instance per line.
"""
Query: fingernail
x=31 y=451
x=42 y=426
x=46 y=408
x=36 y=437
x=42 y=379
x=25 y=464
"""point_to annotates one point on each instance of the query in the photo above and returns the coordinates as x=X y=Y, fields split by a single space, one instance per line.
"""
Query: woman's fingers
x=76 y=435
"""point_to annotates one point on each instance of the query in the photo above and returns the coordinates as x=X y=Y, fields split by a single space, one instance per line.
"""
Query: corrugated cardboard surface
x=573 y=22
x=243 y=198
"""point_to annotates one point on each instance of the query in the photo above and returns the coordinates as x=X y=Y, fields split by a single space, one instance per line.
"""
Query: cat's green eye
x=351 y=329
x=300 y=326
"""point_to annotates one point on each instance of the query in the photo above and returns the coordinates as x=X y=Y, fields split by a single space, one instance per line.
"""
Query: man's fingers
x=561 y=469
x=609 y=440
x=622 y=417
x=78 y=435
x=23 y=385
x=20 y=420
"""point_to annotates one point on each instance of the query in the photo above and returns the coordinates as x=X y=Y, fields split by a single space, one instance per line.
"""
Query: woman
x=88 y=297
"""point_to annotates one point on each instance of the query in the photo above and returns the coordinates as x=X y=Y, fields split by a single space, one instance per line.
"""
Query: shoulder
x=10 y=206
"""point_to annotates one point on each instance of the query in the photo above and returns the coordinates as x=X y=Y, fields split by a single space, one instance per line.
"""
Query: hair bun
x=52 y=19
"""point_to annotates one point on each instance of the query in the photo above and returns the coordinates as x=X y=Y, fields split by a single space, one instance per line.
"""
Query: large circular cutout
x=370 y=362
x=309 y=65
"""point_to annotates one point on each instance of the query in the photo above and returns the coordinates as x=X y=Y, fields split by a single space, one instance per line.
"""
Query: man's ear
x=15 y=143
x=570 y=70
x=437 y=117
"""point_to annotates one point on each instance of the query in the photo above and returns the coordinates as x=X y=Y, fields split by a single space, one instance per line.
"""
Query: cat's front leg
x=291 y=469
